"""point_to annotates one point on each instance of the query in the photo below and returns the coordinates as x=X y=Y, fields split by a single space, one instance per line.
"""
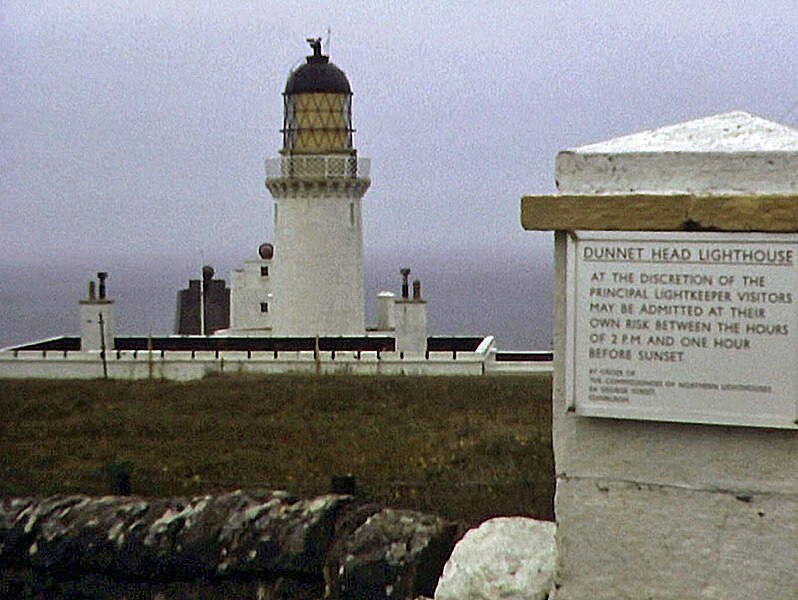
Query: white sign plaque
x=689 y=327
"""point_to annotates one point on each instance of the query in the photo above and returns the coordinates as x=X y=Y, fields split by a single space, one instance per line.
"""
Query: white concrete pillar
x=410 y=318
x=96 y=321
x=650 y=503
x=386 y=320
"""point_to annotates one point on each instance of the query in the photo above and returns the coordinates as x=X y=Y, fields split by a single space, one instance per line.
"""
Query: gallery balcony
x=329 y=166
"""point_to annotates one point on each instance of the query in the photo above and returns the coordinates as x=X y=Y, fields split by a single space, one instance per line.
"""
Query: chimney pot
x=405 y=287
x=102 y=276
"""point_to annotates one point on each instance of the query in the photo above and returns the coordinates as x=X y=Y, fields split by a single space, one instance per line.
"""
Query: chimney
x=102 y=276
x=416 y=290
x=405 y=287
x=96 y=319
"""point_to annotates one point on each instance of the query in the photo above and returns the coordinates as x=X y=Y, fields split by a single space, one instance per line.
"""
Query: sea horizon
x=509 y=299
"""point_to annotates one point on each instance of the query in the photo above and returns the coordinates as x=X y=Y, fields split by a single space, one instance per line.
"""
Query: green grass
x=464 y=447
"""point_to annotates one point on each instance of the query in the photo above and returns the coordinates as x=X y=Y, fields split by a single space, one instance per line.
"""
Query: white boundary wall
x=186 y=366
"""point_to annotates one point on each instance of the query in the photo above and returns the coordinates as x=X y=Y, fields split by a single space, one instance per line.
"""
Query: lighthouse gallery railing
x=323 y=166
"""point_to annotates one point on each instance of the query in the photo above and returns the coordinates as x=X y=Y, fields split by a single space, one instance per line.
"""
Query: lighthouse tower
x=317 y=184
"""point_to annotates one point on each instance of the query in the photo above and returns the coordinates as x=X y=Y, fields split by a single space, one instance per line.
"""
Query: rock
x=508 y=557
x=334 y=546
x=393 y=554
x=280 y=535
x=236 y=533
x=22 y=530
x=80 y=533
x=14 y=540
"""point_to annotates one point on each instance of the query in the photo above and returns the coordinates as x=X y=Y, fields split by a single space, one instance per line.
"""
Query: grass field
x=466 y=448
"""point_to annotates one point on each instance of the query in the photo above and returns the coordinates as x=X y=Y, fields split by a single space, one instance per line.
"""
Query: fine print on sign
x=690 y=327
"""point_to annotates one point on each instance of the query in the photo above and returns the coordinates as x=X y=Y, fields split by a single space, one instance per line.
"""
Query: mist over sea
x=506 y=296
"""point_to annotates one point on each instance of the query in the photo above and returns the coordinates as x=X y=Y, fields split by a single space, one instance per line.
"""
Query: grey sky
x=138 y=130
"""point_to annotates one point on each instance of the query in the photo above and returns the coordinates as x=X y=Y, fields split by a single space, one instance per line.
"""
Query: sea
x=509 y=298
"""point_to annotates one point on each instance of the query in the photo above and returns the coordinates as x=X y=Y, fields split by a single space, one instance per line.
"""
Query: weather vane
x=315 y=43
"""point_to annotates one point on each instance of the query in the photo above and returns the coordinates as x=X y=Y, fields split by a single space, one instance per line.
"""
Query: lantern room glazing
x=317 y=116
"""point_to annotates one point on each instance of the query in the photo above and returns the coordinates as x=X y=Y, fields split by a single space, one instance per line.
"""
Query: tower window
x=275 y=213
x=264 y=271
x=264 y=307
x=352 y=214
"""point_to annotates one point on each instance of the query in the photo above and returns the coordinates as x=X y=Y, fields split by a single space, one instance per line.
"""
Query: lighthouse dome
x=317 y=105
x=317 y=75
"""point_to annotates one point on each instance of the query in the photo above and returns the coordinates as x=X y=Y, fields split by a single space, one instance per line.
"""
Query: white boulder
x=506 y=557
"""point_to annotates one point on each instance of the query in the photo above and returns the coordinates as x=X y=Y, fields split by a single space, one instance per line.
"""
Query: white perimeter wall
x=184 y=366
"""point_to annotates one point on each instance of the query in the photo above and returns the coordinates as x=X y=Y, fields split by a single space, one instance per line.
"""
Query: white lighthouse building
x=317 y=184
x=310 y=283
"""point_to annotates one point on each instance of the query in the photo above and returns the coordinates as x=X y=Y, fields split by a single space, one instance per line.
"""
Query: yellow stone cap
x=660 y=212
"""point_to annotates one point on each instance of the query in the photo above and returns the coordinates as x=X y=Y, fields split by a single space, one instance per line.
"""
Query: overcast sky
x=138 y=130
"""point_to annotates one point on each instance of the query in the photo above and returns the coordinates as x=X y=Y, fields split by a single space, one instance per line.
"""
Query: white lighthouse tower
x=317 y=183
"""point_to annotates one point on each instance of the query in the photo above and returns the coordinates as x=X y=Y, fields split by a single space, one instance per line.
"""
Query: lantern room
x=317 y=108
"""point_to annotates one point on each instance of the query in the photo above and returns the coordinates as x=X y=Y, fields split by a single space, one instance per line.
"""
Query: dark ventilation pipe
x=92 y=292
x=405 y=287
x=417 y=290
x=102 y=276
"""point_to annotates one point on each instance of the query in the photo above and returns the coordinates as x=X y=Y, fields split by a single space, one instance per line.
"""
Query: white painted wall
x=652 y=510
x=694 y=172
x=410 y=321
x=732 y=152
x=185 y=365
x=91 y=332
x=248 y=290
x=665 y=510
x=385 y=311
x=182 y=366
x=317 y=278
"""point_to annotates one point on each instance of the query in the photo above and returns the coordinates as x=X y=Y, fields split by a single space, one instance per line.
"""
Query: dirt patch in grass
x=467 y=448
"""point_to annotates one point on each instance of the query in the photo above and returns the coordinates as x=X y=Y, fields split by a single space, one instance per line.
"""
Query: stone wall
x=244 y=544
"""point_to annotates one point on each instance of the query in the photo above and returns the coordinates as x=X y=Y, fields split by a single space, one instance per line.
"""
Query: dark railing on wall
x=258 y=344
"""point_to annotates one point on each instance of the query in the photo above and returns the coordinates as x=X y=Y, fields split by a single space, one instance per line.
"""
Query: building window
x=264 y=307
x=352 y=214
x=264 y=271
x=275 y=213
